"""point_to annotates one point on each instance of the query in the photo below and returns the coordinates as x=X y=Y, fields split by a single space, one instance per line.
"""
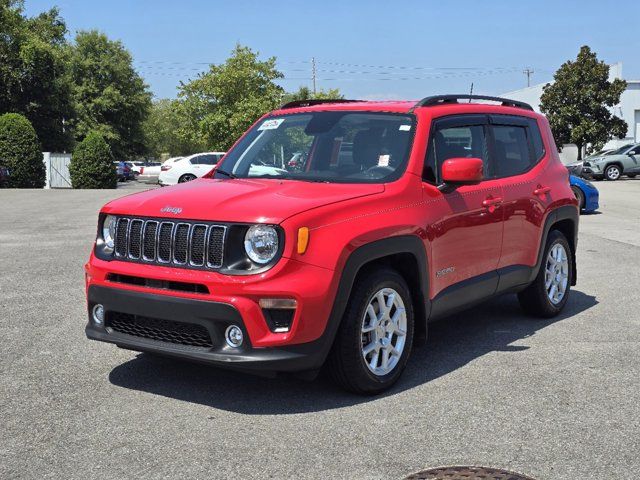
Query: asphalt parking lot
x=556 y=399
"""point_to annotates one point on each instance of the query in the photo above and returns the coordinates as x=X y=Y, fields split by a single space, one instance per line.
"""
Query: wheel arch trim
x=564 y=213
x=366 y=254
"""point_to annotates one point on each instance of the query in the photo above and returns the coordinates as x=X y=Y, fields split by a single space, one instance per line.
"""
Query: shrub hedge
x=20 y=152
x=91 y=164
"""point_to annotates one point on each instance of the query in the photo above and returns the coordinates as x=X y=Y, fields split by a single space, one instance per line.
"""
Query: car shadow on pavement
x=452 y=343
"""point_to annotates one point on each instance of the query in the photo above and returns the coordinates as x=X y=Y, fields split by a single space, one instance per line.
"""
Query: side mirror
x=462 y=171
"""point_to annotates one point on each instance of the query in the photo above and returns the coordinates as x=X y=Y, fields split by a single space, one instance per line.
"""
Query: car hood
x=237 y=200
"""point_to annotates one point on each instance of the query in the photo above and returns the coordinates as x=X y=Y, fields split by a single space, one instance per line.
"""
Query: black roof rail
x=444 y=99
x=310 y=102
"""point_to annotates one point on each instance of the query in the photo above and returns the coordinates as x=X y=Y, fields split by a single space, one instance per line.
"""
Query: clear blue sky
x=368 y=49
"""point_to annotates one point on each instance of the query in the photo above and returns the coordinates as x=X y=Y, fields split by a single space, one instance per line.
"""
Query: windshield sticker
x=271 y=124
x=404 y=128
x=383 y=160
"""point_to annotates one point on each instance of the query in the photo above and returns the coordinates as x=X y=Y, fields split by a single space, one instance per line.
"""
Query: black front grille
x=135 y=238
x=198 y=240
x=158 y=329
x=180 y=244
x=215 y=247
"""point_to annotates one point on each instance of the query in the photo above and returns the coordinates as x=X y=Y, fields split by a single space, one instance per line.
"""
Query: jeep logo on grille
x=170 y=209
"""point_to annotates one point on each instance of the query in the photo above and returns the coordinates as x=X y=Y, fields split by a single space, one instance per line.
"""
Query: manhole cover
x=466 y=473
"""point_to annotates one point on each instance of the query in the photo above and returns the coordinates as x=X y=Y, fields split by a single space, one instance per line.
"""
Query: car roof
x=204 y=153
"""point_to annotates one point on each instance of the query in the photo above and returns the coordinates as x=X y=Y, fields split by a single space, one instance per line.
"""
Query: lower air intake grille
x=158 y=329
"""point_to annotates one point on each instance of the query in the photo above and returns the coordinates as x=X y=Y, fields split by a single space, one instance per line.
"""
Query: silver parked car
x=611 y=166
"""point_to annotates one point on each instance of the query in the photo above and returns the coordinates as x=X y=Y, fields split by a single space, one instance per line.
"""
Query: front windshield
x=337 y=146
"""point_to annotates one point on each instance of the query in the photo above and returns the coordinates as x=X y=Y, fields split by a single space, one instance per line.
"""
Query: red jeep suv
x=393 y=214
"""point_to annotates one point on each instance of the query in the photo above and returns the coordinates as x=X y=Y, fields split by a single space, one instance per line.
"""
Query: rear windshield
x=340 y=147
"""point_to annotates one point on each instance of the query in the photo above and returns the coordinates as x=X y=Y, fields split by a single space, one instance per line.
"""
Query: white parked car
x=188 y=168
x=151 y=173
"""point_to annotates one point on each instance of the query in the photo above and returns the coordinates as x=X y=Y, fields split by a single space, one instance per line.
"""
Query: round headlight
x=109 y=232
x=261 y=243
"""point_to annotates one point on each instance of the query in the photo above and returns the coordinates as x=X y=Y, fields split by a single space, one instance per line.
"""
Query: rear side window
x=512 y=153
x=204 y=160
x=517 y=145
x=455 y=142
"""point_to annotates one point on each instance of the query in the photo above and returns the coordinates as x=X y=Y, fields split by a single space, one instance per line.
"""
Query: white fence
x=57 y=165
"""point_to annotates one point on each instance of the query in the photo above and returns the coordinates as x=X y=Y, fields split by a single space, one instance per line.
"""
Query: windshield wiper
x=226 y=174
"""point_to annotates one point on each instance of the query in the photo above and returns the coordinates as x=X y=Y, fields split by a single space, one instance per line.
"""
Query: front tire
x=548 y=293
x=374 y=340
x=613 y=173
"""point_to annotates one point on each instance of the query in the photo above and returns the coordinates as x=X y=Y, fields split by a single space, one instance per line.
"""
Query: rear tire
x=632 y=175
x=579 y=196
x=548 y=293
x=187 y=177
x=613 y=173
x=368 y=334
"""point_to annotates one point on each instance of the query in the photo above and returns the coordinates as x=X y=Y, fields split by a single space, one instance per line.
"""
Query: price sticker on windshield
x=271 y=124
x=383 y=160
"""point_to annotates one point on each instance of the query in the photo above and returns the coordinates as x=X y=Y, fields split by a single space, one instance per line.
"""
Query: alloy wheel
x=384 y=331
x=613 y=173
x=556 y=275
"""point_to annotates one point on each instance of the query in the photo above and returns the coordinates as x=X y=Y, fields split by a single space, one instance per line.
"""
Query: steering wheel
x=381 y=171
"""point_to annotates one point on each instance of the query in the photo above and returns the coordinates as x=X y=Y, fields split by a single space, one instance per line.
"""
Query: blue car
x=586 y=193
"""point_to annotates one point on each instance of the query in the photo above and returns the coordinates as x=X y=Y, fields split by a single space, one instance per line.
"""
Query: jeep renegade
x=333 y=232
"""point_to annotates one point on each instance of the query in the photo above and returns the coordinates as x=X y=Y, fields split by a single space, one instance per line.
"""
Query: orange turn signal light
x=303 y=239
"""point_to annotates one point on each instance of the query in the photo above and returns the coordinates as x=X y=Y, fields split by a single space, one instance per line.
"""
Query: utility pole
x=528 y=72
x=313 y=74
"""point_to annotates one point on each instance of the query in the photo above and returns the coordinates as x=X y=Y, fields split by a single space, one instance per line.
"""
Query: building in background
x=628 y=109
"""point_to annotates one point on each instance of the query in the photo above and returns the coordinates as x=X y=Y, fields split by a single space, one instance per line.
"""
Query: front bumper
x=215 y=317
x=230 y=299
x=591 y=170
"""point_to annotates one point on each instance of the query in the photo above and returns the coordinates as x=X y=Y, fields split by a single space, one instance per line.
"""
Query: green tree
x=163 y=130
x=109 y=95
x=21 y=152
x=91 y=165
x=219 y=105
x=578 y=103
x=33 y=73
x=305 y=93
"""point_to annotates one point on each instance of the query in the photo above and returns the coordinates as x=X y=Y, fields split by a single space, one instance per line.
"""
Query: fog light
x=233 y=335
x=98 y=314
